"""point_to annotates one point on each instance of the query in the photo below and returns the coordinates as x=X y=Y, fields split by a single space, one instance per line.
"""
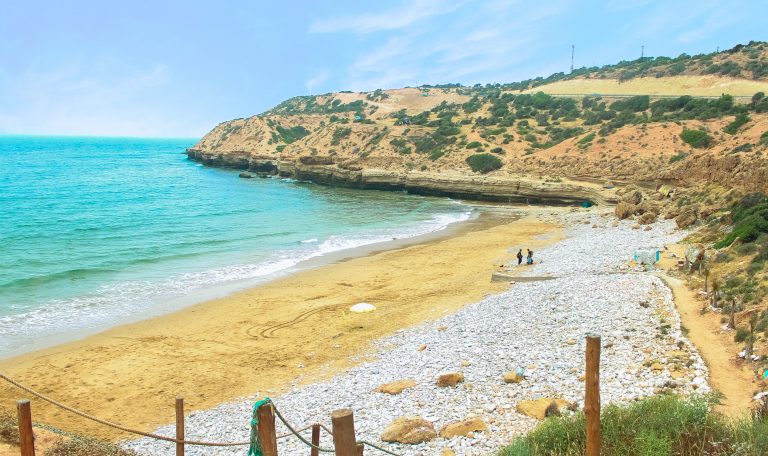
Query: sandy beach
x=261 y=341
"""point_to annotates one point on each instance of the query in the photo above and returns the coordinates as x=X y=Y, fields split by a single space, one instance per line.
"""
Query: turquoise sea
x=99 y=231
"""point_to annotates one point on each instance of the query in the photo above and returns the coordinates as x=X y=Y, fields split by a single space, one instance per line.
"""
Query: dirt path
x=726 y=374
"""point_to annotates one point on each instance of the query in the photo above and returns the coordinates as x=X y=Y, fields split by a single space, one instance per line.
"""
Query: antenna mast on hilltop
x=642 y=52
x=573 y=51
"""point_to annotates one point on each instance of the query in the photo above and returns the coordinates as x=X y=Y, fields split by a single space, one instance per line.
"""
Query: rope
x=296 y=433
x=377 y=447
x=253 y=439
x=118 y=426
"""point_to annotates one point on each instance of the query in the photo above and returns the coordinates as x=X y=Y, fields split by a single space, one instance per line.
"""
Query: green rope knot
x=255 y=448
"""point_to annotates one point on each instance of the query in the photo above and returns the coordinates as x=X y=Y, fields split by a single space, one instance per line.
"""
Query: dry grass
x=703 y=86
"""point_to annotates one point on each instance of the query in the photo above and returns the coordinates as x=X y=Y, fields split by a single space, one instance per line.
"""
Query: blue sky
x=173 y=68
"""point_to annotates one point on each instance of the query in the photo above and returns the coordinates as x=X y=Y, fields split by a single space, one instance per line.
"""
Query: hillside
x=524 y=146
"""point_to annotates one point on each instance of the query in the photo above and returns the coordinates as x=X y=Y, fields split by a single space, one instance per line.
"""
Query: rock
x=677 y=374
x=447 y=452
x=571 y=341
x=538 y=408
x=422 y=347
x=245 y=176
x=465 y=363
x=463 y=428
x=442 y=328
x=686 y=218
x=451 y=379
x=513 y=377
x=657 y=367
x=647 y=218
x=396 y=387
x=409 y=430
x=624 y=210
x=633 y=198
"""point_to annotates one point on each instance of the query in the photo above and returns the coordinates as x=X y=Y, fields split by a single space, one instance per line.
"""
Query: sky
x=177 y=68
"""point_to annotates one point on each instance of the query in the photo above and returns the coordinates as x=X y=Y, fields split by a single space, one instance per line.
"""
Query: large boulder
x=633 y=197
x=647 y=218
x=410 y=430
x=396 y=387
x=688 y=216
x=625 y=210
x=451 y=379
x=463 y=428
x=513 y=377
x=541 y=408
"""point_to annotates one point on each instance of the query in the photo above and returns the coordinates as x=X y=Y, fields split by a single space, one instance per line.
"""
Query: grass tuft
x=660 y=425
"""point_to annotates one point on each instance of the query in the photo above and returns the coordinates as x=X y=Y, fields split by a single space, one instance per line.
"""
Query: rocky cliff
x=541 y=148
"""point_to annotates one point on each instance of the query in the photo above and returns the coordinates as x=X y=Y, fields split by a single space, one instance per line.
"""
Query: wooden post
x=592 y=395
x=344 y=432
x=267 y=430
x=360 y=449
x=315 y=440
x=26 y=437
x=179 y=425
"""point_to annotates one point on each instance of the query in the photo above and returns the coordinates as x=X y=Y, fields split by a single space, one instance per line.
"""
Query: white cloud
x=408 y=13
x=319 y=78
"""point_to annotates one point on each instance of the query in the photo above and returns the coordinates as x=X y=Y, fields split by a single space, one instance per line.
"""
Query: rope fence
x=262 y=442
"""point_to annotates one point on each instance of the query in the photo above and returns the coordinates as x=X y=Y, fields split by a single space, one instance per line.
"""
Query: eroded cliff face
x=323 y=170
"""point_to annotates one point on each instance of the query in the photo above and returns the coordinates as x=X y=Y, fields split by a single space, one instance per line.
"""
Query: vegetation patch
x=339 y=134
x=699 y=139
x=659 y=425
x=483 y=163
x=289 y=135
x=734 y=126
x=750 y=220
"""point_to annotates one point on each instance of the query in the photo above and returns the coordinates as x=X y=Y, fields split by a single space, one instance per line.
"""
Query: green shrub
x=290 y=135
x=586 y=139
x=764 y=138
x=677 y=157
x=750 y=220
x=741 y=335
x=498 y=150
x=339 y=134
x=659 y=425
x=699 y=139
x=734 y=126
x=474 y=145
x=483 y=163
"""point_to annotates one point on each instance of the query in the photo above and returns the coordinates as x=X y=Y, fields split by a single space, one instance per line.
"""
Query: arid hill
x=701 y=120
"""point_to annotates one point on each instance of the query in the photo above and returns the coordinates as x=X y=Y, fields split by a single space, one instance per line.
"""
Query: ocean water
x=99 y=231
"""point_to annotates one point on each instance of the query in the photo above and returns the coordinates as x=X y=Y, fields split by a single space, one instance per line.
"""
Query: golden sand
x=254 y=342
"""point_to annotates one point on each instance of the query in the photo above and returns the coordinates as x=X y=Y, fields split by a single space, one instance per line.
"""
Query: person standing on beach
x=530 y=257
x=519 y=257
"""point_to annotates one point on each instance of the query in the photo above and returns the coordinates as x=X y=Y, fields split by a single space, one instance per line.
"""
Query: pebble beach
x=536 y=328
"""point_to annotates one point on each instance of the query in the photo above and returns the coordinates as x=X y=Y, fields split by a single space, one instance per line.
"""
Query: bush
x=699 y=139
x=750 y=220
x=474 y=145
x=498 y=150
x=741 y=335
x=734 y=126
x=339 y=134
x=483 y=163
x=677 y=157
x=659 y=425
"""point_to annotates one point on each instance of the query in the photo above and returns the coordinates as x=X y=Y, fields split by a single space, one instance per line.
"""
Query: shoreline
x=222 y=349
x=478 y=214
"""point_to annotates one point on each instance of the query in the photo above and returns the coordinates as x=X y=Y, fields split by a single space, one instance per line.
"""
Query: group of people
x=528 y=259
